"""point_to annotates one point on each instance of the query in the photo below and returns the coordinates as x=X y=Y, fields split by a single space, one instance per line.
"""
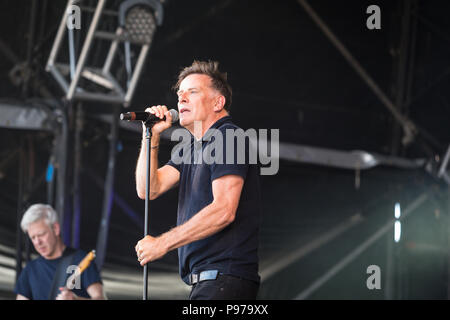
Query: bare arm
x=161 y=179
x=95 y=292
x=208 y=221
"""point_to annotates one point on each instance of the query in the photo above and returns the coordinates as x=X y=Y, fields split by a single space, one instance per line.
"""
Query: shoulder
x=80 y=252
x=226 y=130
x=228 y=125
x=33 y=264
x=30 y=271
x=78 y=255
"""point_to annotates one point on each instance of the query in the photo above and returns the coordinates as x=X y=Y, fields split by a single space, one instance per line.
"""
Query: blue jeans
x=225 y=287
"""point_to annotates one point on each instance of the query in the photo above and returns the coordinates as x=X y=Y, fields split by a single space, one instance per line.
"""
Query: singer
x=219 y=204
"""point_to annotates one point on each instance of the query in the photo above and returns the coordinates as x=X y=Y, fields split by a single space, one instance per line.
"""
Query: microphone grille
x=174 y=114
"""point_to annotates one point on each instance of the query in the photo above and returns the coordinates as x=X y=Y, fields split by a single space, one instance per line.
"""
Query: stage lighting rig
x=136 y=20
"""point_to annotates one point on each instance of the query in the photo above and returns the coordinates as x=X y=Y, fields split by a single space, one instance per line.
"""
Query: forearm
x=208 y=221
x=205 y=223
x=98 y=297
x=141 y=167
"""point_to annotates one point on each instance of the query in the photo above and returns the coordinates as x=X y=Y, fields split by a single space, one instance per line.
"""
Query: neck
x=199 y=128
x=59 y=249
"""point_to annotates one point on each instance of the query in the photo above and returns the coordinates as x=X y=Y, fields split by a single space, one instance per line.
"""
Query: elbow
x=231 y=217
x=225 y=213
x=141 y=195
x=140 y=189
x=153 y=195
x=228 y=216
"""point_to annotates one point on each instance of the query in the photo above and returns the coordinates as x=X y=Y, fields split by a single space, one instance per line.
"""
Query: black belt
x=202 y=276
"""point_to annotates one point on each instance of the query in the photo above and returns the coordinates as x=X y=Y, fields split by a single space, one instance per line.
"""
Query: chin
x=185 y=122
x=43 y=253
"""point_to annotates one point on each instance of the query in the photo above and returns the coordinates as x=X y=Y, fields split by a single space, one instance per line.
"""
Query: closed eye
x=38 y=235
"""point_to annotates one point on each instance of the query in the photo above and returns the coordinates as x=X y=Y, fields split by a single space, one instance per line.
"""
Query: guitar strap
x=60 y=277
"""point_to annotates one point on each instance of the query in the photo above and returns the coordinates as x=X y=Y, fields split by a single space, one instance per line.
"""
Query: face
x=44 y=238
x=196 y=100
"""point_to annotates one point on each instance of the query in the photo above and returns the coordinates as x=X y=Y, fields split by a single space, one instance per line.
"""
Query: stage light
x=136 y=25
x=397 y=211
x=140 y=24
x=397 y=231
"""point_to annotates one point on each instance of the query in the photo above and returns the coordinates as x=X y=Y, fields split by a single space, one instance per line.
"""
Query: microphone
x=147 y=116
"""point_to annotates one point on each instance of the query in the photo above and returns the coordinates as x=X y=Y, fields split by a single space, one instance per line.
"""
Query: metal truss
x=137 y=22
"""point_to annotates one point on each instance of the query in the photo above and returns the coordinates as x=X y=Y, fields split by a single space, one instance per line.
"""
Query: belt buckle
x=194 y=278
x=208 y=275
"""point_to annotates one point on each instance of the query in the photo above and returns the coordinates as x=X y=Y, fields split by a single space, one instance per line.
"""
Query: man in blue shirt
x=35 y=282
x=219 y=201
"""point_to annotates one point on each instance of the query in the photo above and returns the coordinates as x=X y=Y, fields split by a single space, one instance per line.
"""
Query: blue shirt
x=233 y=250
x=36 y=279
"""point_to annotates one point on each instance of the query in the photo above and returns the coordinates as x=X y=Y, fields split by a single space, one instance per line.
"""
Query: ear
x=219 y=103
x=57 y=228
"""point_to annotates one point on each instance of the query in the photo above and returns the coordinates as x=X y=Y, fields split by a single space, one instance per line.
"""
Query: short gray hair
x=37 y=212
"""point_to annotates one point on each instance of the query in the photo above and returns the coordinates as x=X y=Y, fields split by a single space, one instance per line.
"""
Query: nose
x=182 y=98
x=36 y=241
